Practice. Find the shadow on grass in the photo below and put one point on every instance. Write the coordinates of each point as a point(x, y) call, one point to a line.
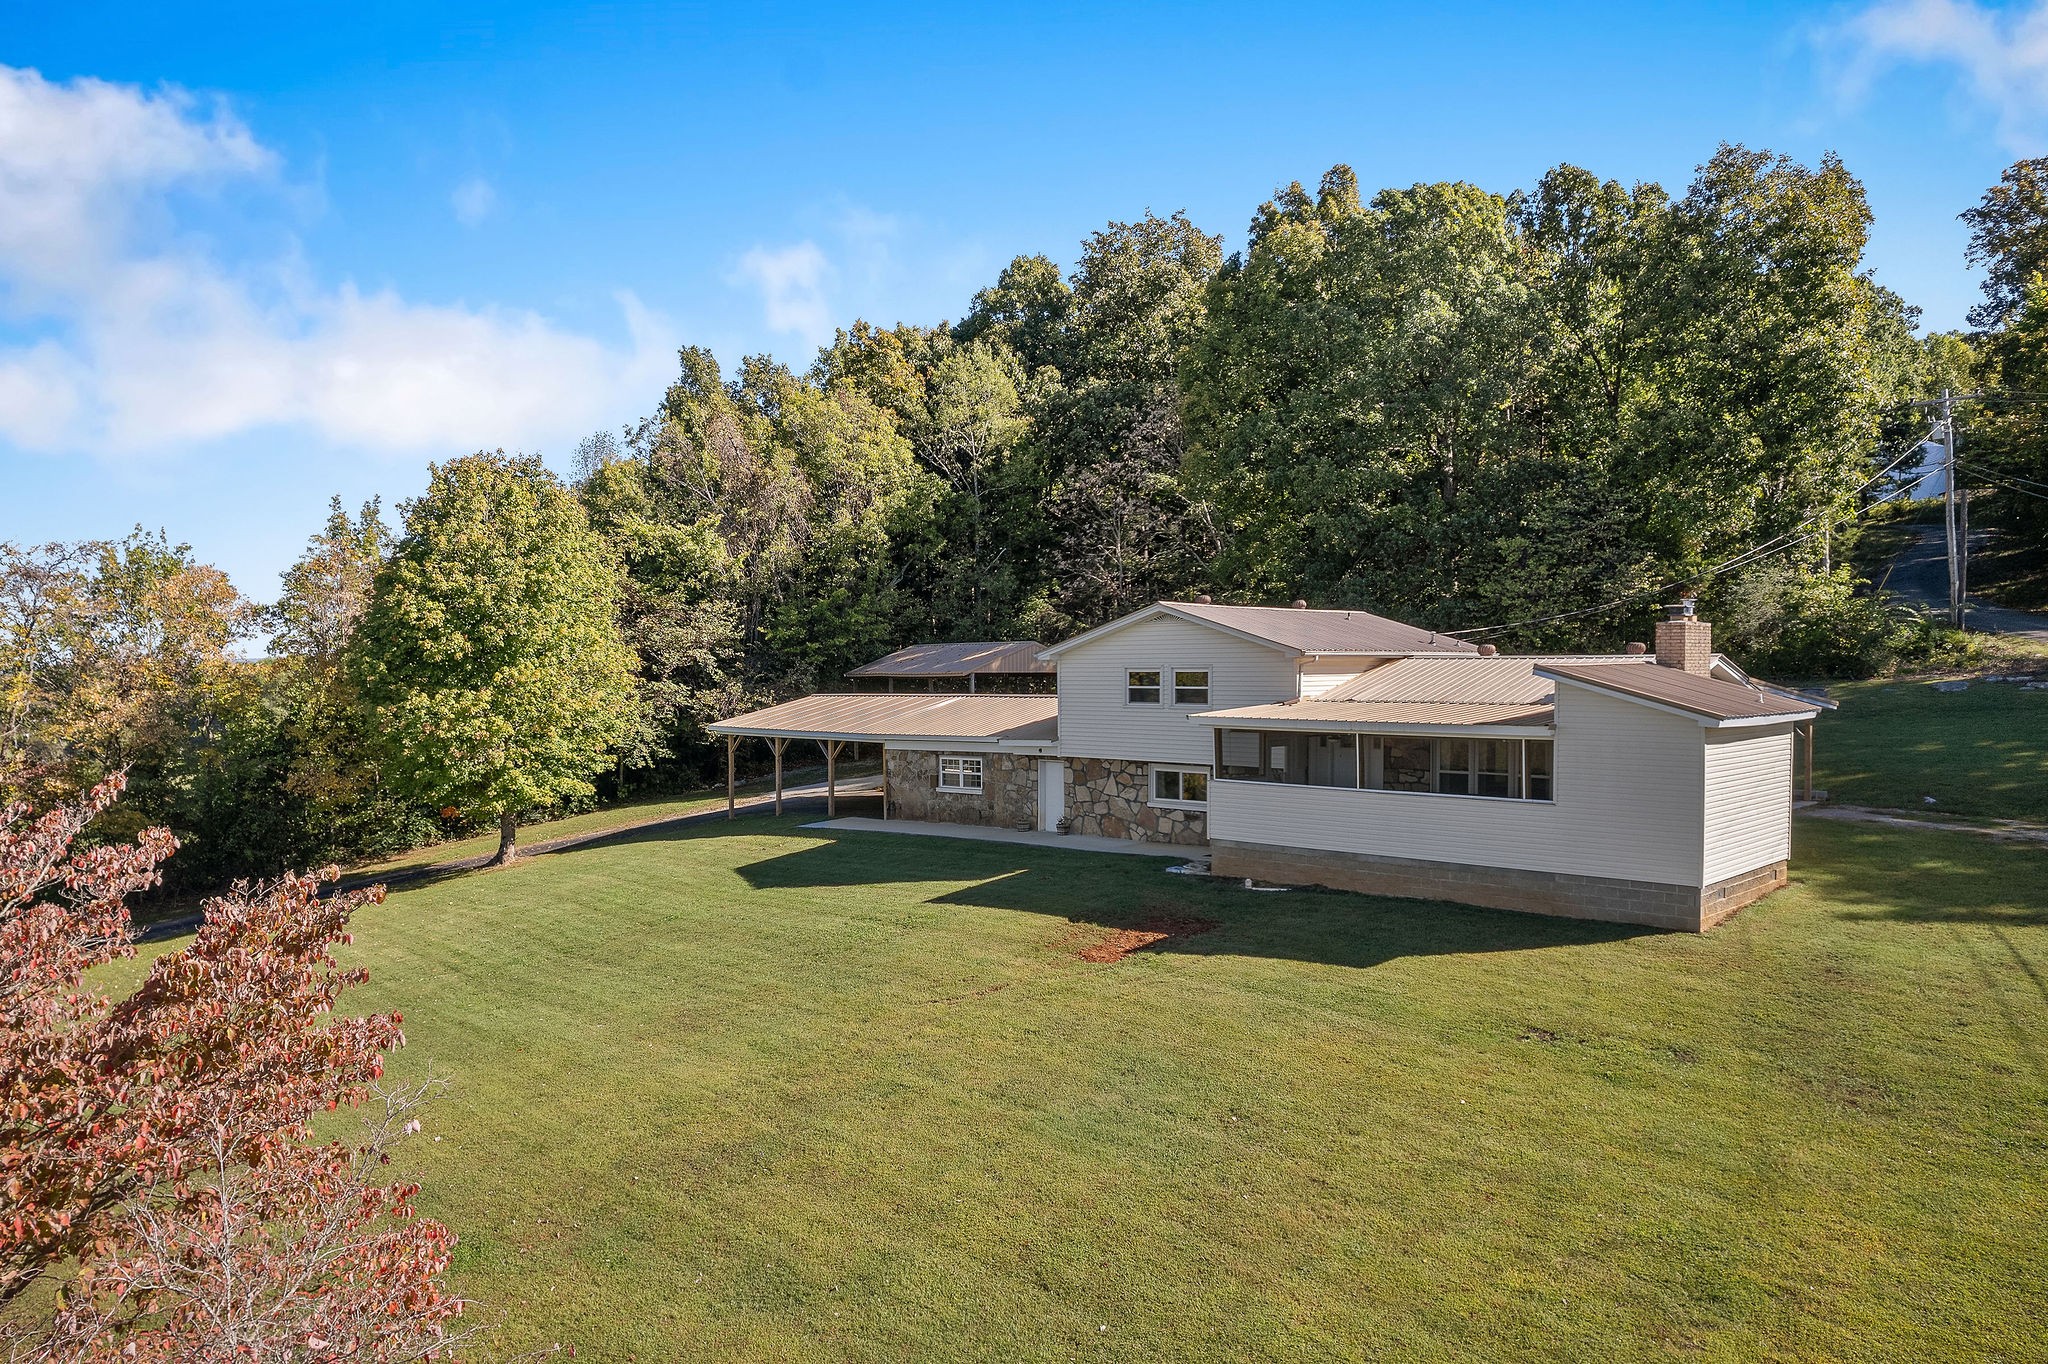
point(1109, 891)
point(1915, 876)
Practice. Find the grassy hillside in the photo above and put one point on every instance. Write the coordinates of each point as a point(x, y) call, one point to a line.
point(1981, 752)
point(745, 1092)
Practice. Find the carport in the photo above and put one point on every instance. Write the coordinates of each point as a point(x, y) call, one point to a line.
point(835, 719)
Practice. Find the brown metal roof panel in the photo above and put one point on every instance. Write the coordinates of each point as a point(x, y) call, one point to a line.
point(878, 716)
point(1501, 679)
point(1324, 632)
point(985, 658)
point(1708, 697)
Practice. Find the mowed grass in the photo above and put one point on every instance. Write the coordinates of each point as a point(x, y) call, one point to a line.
point(618, 815)
point(1980, 753)
point(746, 1091)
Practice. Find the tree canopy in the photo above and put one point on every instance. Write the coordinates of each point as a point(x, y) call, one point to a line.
point(489, 654)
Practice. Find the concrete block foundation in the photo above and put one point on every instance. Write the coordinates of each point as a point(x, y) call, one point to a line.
point(1687, 909)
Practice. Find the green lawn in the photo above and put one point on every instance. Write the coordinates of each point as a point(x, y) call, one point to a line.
point(747, 1092)
point(1981, 752)
point(622, 814)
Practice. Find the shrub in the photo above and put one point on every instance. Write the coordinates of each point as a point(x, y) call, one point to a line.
point(1782, 621)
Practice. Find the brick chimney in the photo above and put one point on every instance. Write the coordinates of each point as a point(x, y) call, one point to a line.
point(1685, 641)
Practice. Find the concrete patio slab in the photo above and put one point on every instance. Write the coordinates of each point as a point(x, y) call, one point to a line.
point(1036, 838)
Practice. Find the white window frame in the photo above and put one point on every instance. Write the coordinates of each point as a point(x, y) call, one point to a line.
point(1173, 689)
point(1153, 798)
point(1160, 687)
point(962, 764)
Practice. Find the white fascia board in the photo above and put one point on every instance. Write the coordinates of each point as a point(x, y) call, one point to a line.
point(1219, 720)
point(1759, 721)
point(1703, 721)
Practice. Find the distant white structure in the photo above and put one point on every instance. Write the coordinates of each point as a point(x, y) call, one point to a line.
point(1926, 476)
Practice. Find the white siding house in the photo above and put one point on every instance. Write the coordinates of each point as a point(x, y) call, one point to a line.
point(1605, 821)
point(1098, 718)
point(1748, 800)
point(1343, 749)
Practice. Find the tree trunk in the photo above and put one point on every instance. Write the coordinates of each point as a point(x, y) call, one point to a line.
point(508, 840)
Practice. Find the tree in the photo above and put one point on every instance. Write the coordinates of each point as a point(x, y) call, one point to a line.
point(490, 654)
point(1462, 408)
point(328, 589)
point(157, 1150)
point(2009, 239)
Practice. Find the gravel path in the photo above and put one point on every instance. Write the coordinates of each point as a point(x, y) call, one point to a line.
point(1999, 830)
point(1920, 575)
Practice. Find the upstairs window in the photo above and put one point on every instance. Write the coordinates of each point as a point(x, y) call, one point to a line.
point(959, 774)
point(1191, 686)
point(1141, 687)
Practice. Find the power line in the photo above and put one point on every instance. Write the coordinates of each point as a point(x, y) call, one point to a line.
point(1996, 481)
point(1983, 472)
point(1749, 556)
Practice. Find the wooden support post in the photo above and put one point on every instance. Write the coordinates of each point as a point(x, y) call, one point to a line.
point(1809, 759)
point(779, 744)
point(731, 740)
point(832, 747)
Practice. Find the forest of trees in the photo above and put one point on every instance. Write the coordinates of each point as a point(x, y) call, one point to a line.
point(1546, 411)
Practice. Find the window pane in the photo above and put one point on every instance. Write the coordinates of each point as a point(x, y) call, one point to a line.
point(1191, 687)
point(1404, 764)
point(1454, 755)
point(1454, 783)
point(1165, 785)
point(1240, 753)
point(1541, 785)
point(1194, 787)
point(1143, 686)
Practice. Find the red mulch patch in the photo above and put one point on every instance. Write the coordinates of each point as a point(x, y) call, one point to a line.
point(1122, 942)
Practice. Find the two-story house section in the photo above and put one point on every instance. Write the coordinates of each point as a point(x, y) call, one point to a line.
point(1344, 749)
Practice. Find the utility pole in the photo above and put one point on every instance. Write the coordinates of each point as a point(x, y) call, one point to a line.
point(1958, 546)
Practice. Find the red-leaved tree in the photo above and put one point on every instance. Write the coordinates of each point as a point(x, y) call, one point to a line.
point(165, 1197)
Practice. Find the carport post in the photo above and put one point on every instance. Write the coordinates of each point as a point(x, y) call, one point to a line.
point(730, 740)
point(832, 747)
point(1809, 759)
point(779, 744)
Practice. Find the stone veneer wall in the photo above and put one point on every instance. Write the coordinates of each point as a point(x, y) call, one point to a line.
point(1111, 798)
point(1008, 798)
point(1685, 908)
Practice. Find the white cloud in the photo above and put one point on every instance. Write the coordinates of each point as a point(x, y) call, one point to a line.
point(2001, 53)
point(792, 283)
point(131, 338)
point(473, 200)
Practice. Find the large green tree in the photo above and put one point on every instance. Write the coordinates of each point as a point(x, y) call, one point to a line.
point(2009, 240)
point(490, 653)
point(1463, 408)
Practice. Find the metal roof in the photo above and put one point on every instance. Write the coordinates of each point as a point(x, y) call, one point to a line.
point(1296, 630)
point(998, 657)
point(1393, 715)
point(1504, 679)
point(869, 717)
point(1710, 698)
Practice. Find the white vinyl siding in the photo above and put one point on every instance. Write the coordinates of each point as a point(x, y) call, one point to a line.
point(1749, 800)
point(1319, 675)
point(1098, 721)
point(1629, 789)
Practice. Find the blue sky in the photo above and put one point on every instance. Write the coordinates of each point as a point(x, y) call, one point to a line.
point(250, 257)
